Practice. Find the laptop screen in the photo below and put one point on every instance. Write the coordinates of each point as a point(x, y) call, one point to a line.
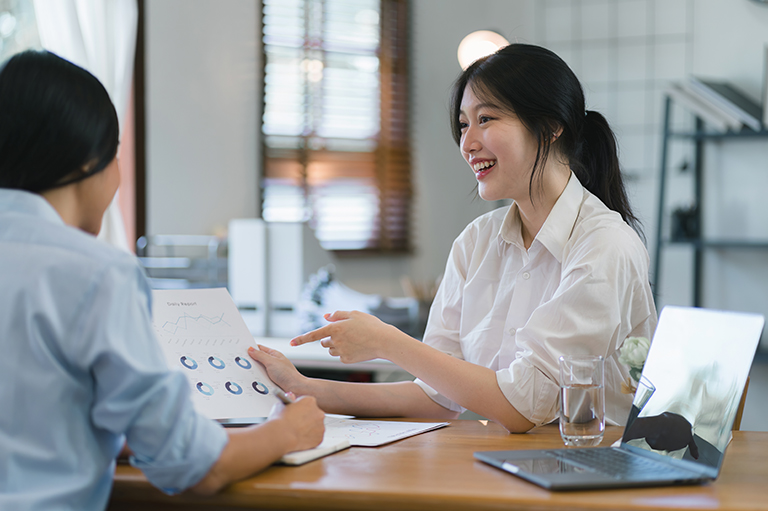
point(689, 392)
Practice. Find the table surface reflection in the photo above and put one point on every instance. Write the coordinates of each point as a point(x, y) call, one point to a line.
point(436, 471)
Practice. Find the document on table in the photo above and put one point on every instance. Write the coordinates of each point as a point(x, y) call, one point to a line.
point(371, 433)
point(342, 432)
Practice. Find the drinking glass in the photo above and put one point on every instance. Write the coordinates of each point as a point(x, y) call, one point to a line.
point(645, 390)
point(582, 400)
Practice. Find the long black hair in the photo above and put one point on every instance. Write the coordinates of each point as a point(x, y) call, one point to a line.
point(535, 84)
point(57, 123)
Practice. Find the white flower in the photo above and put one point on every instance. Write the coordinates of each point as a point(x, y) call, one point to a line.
point(633, 353)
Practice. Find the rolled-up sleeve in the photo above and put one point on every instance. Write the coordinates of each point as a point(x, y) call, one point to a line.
point(135, 393)
point(184, 456)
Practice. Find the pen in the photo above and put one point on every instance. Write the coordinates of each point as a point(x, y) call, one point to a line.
point(285, 398)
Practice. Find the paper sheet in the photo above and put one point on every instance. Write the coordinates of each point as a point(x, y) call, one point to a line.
point(203, 335)
point(369, 433)
point(342, 432)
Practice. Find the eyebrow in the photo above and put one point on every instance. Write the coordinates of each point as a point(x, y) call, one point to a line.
point(480, 106)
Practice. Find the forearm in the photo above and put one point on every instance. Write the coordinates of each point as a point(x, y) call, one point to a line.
point(472, 386)
point(248, 451)
point(400, 399)
point(355, 337)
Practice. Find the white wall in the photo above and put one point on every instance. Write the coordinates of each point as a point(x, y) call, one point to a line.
point(729, 43)
point(202, 113)
point(445, 185)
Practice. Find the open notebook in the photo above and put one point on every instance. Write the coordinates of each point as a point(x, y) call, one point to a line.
point(203, 335)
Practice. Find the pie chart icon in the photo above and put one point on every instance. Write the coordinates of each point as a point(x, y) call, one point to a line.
point(260, 388)
point(233, 388)
point(188, 363)
point(204, 388)
point(245, 364)
point(216, 362)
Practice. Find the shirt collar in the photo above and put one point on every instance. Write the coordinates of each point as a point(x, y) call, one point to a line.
point(557, 227)
point(27, 203)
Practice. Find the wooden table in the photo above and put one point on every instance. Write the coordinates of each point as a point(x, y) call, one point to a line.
point(436, 471)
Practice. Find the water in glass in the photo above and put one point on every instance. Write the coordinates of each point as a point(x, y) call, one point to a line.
point(582, 414)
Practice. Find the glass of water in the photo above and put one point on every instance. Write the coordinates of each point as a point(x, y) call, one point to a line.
point(582, 400)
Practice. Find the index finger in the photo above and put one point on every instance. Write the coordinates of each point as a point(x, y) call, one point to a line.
point(314, 335)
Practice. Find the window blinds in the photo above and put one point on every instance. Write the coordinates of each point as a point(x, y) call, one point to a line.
point(335, 128)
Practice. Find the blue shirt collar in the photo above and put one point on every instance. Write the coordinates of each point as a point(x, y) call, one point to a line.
point(27, 203)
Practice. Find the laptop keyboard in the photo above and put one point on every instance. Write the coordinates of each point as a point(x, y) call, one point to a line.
point(620, 464)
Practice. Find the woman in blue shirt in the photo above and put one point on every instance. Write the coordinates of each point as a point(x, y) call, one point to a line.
point(81, 371)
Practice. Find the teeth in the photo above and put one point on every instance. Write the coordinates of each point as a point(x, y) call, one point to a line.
point(477, 167)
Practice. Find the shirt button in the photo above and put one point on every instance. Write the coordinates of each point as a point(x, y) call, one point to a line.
point(512, 331)
point(526, 275)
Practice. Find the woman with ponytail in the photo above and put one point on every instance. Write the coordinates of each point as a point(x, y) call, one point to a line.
point(559, 272)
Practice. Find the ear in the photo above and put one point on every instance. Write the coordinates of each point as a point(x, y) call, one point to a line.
point(89, 166)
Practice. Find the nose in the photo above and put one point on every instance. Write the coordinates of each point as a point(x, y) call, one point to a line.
point(469, 141)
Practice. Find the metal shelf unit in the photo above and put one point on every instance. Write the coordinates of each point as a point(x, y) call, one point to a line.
point(699, 137)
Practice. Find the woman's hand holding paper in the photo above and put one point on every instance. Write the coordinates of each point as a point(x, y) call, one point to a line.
point(279, 368)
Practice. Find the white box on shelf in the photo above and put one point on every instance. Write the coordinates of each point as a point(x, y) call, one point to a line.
point(294, 254)
point(247, 270)
point(269, 265)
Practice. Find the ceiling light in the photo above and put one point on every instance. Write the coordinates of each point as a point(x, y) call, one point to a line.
point(479, 44)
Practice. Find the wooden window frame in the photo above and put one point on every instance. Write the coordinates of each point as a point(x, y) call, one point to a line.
point(391, 159)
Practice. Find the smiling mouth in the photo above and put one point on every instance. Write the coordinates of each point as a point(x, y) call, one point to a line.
point(483, 166)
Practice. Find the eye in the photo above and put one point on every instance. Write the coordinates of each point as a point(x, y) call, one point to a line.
point(485, 118)
point(463, 125)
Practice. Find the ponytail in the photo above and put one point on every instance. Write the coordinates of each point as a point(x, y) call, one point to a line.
point(596, 164)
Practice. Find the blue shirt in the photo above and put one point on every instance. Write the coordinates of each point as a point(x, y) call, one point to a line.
point(81, 370)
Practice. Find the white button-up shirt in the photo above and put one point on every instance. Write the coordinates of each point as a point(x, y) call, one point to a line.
point(581, 288)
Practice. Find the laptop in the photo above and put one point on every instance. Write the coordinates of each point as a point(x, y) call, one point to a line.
point(682, 412)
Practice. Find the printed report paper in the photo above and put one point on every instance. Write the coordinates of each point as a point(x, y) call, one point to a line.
point(203, 335)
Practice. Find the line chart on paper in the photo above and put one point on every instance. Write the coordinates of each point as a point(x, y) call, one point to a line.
point(187, 321)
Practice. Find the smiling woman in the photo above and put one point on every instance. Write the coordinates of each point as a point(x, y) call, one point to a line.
point(559, 272)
